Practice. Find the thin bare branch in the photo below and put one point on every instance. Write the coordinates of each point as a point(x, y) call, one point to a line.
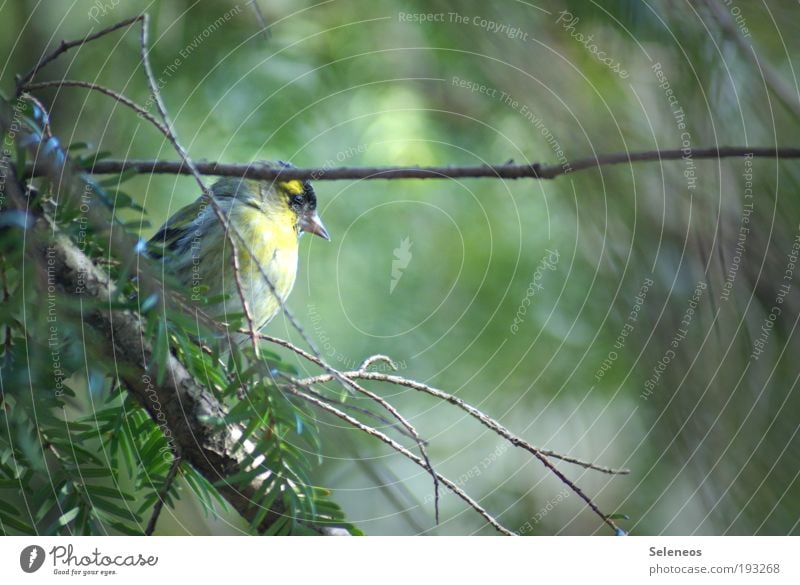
point(188, 164)
point(403, 451)
point(375, 398)
point(66, 46)
point(259, 171)
point(365, 411)
point(162, 494)
point(104, 90)
point(486, 420)
point(501, 430)
point(541, 454)
point(262, 21)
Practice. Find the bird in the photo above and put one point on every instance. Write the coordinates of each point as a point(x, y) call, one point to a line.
point(268, 216)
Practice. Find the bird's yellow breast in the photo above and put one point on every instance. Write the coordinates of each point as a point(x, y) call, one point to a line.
point(272, 238)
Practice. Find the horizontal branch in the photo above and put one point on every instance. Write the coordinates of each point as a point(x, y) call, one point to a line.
point(261, 171)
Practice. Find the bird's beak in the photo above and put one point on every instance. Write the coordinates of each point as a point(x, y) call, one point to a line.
point(311, 223)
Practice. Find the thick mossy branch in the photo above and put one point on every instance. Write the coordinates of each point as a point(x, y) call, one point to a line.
point(187, 413)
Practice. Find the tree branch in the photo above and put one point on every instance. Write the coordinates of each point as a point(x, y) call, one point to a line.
point(541, 454)
point(179, 405)
point(260, 171)
point(66, 46)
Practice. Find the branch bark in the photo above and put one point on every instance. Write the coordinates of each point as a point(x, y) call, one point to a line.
point(263, 172)
point(179, 404)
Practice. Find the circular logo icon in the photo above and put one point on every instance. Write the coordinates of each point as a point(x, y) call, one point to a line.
point(31, 558)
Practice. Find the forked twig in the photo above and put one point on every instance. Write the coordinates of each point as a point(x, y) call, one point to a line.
point(405, 452)
point(486, 420)
point(65, 46)
point(375, 398)
point(541, 454)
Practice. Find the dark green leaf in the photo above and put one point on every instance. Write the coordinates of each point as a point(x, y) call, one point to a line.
point(99, 490)
point(125, 529)
point(95, 472)
point(7, 522)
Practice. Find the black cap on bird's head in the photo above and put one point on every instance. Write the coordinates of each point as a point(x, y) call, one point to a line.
point(303, 201)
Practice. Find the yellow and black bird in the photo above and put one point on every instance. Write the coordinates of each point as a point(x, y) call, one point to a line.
point(270, 216)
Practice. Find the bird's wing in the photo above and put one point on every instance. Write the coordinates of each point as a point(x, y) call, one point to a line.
point(169, 236)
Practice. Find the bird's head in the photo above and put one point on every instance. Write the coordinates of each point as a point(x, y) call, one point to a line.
point(295, 200)
point(298, 198)
point(290, 202)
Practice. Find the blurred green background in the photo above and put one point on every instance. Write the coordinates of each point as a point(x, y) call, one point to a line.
point(711, 436)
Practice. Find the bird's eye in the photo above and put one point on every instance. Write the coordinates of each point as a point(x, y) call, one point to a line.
point(296, 200)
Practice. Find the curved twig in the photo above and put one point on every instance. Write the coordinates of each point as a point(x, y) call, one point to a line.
point(104, 90)
point(189, 165)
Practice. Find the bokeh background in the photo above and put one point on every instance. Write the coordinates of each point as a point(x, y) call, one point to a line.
point(640, 292)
